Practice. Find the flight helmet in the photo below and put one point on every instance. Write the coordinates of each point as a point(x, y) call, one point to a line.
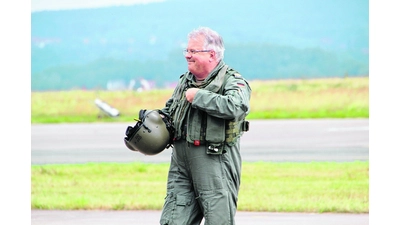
point(152, 133)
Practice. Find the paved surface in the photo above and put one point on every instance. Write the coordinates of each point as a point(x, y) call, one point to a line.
point(268, 140)
point(39, 217)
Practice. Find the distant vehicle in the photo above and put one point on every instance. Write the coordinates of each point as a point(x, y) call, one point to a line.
point(106, 108)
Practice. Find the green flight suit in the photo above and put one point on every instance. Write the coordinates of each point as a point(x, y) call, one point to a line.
point(205, 169)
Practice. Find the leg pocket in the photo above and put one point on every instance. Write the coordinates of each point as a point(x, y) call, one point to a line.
point(168, 209)
point(180, 209)
point(217, 208)
point(184, 200)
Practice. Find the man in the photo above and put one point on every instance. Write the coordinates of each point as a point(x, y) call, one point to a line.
point(208, 108)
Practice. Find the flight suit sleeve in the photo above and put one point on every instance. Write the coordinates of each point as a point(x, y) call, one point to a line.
point(234, 101)
point(168, 104)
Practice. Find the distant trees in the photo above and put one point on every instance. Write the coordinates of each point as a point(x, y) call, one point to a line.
point(254, 61)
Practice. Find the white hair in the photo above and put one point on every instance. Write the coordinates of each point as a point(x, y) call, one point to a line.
point(212, 40)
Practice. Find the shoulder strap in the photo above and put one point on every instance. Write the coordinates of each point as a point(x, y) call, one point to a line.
point(219, 80)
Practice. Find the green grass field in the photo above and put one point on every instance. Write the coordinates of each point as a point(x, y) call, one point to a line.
point(314, 98)
point(274, 187)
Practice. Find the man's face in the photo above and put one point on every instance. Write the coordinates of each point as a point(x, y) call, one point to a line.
point(198, 63)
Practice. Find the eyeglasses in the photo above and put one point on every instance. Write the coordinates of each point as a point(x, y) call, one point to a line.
point(192, 52)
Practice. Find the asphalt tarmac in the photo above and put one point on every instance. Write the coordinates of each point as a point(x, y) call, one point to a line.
point(56, 217)
point(337, 140)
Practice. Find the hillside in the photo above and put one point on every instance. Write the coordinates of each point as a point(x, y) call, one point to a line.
point(89, 48)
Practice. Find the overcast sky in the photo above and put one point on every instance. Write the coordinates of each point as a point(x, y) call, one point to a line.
point(40, 5)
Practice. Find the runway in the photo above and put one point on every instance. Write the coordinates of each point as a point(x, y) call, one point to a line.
point(99, 217)
point(337, 140)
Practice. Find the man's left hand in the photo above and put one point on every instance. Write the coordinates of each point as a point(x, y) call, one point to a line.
point(190, 93)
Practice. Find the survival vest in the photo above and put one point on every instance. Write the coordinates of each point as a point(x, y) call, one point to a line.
point(203, 128)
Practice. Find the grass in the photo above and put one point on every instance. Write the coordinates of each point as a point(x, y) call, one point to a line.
point(275, 187)
point(302, 98)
